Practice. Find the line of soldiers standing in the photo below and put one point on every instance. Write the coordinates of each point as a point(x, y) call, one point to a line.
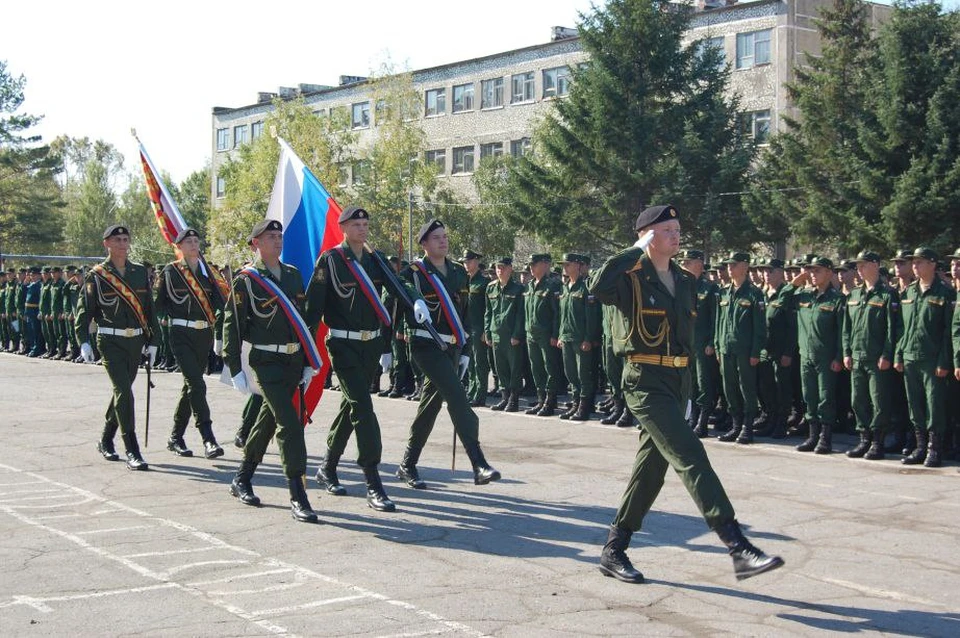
point(37, 307)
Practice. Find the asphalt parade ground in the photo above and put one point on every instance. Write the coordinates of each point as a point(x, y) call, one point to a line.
point(88, 548)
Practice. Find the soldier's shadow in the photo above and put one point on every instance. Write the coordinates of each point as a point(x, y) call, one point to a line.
point(842, 618)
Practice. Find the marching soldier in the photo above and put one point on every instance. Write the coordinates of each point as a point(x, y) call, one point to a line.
point(504, 329)
point(580, 331)
point(187, 296)
point(264, 312)
point(704, 361)
point(655, 301)
point(478, 371)
point(117, 296)
point(774, 380)
point(443, 284)
point(542, 316)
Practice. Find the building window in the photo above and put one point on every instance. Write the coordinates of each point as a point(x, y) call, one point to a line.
point(239, 135)
point(756, 125)
point(463, 160)
point(223, 139)
point(556, 82)
point(361, 115)
point(521, 87)
point(520, 147)
point(320, 112)
point(463, 98)
point(493, 149)
point(436, 102)
point(438, 157)
point(491, 93)
point(753, 48)
point(256, 131)
point(709, 44)
point(221, 187)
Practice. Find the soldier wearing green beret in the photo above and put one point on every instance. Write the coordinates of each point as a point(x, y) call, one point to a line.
point(504, 326)
point(542, 316)
point(580, 331)
point(478, 371)
point(740, 337)
point(654, 329)
point(774, 380)
point(924, 355)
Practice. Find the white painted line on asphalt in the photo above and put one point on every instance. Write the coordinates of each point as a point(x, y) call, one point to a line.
point(53, 517)
point(414, 634)
point(47, 497)
point(37, 602)
point(259, 590)
point(34, 491)
point(172, 552)
point(180, 568)
point(230, 579)
point(113, 530)
point(311, 605)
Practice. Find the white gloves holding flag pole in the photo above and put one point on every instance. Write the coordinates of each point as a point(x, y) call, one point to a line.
point(644, 240)
point(386, 360)
point(218, 347)
point(86, 351)
point(464, 364)
point(240, 382)
point(151, 352)
point(420, 312)
point(308, 373)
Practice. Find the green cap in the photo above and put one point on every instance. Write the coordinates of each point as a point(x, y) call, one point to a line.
point(537, 258)
point(771, 263)
point(904, 254)
point(925, 252)
point(691, 253)
point(823, 262)
point(737, 257)
point(868, 255)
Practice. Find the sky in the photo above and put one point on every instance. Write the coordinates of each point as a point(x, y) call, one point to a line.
point(98, 69)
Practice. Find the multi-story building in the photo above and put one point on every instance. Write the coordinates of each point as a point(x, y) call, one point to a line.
point(488, 105)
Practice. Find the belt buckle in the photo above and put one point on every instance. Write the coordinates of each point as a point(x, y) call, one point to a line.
point(290, 348)
point(202, 324)
point(678, 362)
point(366, 335)
point(128, 332)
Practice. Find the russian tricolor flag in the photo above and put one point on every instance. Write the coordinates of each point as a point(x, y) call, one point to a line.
point(311, 225)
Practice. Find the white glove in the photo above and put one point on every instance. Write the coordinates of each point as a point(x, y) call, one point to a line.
point(218, 347)
point(420, 312)
point(464, 364)
point(86, 352)
point(386, 360)
point(644, 240)
point(240, 382)
point(308, 373)
point(16, 325)
point(151, 352)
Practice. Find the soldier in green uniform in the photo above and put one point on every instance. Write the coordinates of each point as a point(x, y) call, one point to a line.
point(740, 337)
point(654, 330)
point(14, 323)
point(903, 441)
point(580, 331)
point(345, 292)
point(542, 317)
point(613, 369)
point(4, 321)
point(774, 381)
point(71, 297)
point(924, 355)
point(478, 373)
point(504, 326)
point(58, 351)
point(704, 361)
point(443, 284)
point(116, 294)
point(870, 333)
point(254, 316)
point(188, 296)
point(46, 310)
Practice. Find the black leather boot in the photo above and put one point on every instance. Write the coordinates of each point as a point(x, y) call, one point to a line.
point(876, 451)
point(613, 559)
point(605, 406)
point(240, 485)
point(513, 402)
point(748, 561)
point(626, 419)
point(105, 444)
point(176, 444)
point(300, 508)
point(615, 413)
point(746, 432)
point(211, 449)
point(376, 496)
point(734, 431)
point(919, 454)
point(812, 439)
point(779, 428)
point(701, 429)
point(327, 474)
point(134, 459)
point(571, 408)
point(482, 472)
point(825, 443)
point(934, 450)
point(407, 470)
point(866, 439)
point(549, 405)
point(499, 407)
point(584, 410)
point(541, 399)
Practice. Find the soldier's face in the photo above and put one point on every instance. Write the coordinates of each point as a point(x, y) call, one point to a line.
point(955, 268)
point(773, 277)
point(355, 231)
point(539, 269)
point(737, 270)
point(903, 269)
point(924, 268)
point(117, 245)
point(436, 244)
point(868, 270)
point(190, 247)
point(471, 265)
point(571, 269)
point(820, 276)
point(504, 272)
point(666, 238)
point(693, 265)
point(269, 244)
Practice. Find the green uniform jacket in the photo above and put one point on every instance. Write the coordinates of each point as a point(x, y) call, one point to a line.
point(873, 323)
point(581, 317)
point(650, 320)
point(254, 316)
point(174, 300)
point(56, 298)
point(504, 318)
point(541, 306)
point(100, 303)
point(71, 297)
point(46, 297)
point(819, 323)
point(781, 324)
point(457, 286)
point(741, 320)
point(927, 325)
point(705, 328)
point(477, 301)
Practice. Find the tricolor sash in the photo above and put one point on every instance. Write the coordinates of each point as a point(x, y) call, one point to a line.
point(198, 292)
point(293, 316)
point(366, 286)
point(125, 292)
point(446, 303)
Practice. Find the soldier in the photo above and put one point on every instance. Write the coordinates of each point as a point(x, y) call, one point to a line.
point(776, 359)
point(345, 292)
point(59, 348)
point(71, 298)
point(443, 284)
point(46, 313)
point(903, 440)
point(14, 324)
point(542, 317)
point(654, 329)
point(264, 294)
point(870, 333)
point(31, 313)
point(187, 295)
point(740, 337)
point(4, 321)
point(504, 329)
point(478, 372)
point(117, 296)
point(704, 362)
point(580, 330)
point(924, 355)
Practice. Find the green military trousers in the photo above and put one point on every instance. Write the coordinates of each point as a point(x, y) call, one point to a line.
point(478, 371)
point(544, 364)
point(278, 380)
point(926, 395)
point(251, 410)
point(871, 392)
point(819, 390)
point(775, 386)
point(580, 368)
point(739, 385)
point(658, 396)
point(441, 383)
point(355, 362)
point(121, 359)
point(613, 368)
point(191, 347)
point(704, 375)
point(508, 361)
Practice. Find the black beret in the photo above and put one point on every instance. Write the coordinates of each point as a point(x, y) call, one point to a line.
point(186, 232)
point(536, 258)
point(868, 255)
point(116, 229)
point(925, 252)
point(691, 254)
point(263, 226)
point(353, 212)
point(573, 258)
point(655, 215)
point(904, 254)
point(505, 261)
point(469, 254)
point(737, 256)
point(428, 228)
